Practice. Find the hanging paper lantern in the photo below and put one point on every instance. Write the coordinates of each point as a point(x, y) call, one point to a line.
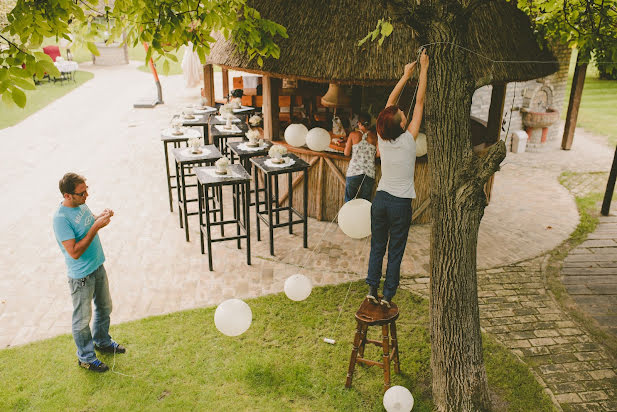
point(354, 218)
point(398, 399)
point(295, 134)
point(421, 146)
point(318, 139)
point(233, 317)
point(298, 287)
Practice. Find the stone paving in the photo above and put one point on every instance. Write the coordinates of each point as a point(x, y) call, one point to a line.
point(94, 131)
point(589, 274)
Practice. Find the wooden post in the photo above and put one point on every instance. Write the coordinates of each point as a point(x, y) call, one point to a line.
point(318, 195)
point(576, 93)
point(495, 114)
point(610, 187)
point(271, 88)
point(225, 83)
point(209, 83)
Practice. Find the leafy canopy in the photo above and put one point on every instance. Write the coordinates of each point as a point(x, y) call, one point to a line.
point(588, 25)
point(164, 25)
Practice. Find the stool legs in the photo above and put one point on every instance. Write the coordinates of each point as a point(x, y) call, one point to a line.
point(269, 209)
point(386, 357)
point(360, 331)
point(171, 208)
point(397, 368)
point(247, 220)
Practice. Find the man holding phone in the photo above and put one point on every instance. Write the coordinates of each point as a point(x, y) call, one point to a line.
point(76, 230)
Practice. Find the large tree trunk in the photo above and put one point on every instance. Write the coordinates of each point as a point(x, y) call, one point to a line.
point(457, 201)
point(576, 94)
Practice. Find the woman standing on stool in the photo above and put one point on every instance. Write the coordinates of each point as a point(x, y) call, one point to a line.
point(391, 208)
point(362, 146)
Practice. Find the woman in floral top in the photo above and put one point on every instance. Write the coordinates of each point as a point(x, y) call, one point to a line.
point(362, 146)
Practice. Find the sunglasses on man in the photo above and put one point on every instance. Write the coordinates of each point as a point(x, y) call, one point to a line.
point(81, 194)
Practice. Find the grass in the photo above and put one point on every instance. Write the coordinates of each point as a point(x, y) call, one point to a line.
point(598, 109)
point(181, 362)
point(44, 94)
point(589, 210)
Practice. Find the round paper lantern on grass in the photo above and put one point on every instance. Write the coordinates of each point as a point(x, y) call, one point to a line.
point(318, 139)
point(421, 146)
point(298, 287)
point(398, 399)
point(233, 317)
point(295, 134)
point(354, 218)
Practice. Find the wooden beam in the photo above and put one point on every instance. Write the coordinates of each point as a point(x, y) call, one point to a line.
point(319, 193)
point(298, 179)
point(495, 114)
point(576, 93)
point(335, 170)
point(610, 187)
point(225, 83)
point(271, 87)
point(209, 84)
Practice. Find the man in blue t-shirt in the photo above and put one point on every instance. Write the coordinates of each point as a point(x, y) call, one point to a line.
point(76, 230)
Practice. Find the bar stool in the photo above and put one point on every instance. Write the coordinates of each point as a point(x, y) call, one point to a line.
point(240, 181)
point(185, 158)
point(270, 216)
point(169, 137)
point(219, 136)
point(371, 314)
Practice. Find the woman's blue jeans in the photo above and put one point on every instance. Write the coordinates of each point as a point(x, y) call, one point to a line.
point(390, 222)
point(83, 292)
point(362, 185)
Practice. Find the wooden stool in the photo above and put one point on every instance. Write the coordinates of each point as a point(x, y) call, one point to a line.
point(370, 314)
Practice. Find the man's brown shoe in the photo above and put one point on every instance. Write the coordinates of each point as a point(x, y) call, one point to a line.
point(96, 366)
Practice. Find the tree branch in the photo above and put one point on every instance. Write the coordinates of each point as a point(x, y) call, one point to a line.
point(490, 161)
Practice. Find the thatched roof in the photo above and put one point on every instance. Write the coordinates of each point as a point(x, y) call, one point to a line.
point(323, 37)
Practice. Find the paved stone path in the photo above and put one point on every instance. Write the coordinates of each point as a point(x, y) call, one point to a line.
point(94, 130)
point(515, 307)
point(589, 274)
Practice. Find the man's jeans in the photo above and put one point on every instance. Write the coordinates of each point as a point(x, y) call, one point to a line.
point(360, 185)
point(390, 218)
point(83, 291)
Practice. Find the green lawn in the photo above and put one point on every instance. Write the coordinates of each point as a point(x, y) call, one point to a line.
point(44, 94)
point(181, 362)
point(598, 110)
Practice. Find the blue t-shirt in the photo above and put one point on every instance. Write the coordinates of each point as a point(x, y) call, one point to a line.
point(74, 223)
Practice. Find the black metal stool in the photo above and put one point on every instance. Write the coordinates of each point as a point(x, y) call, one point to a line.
point(240, 181)
point(176, 140)
point(271, 216)
point(186, 159)
point(219, 136)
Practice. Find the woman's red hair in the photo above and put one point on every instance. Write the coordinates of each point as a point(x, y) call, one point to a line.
point(389, 123)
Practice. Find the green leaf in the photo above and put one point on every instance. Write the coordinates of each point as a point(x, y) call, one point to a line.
point(361, 42)
point(93, 49)
point(166, 67)
point(172, 57)
point(19, 97)
point(26, 84)
point(386, 29)
point(7, 99)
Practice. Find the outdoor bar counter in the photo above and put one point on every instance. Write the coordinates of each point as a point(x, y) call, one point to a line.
point(327, 184)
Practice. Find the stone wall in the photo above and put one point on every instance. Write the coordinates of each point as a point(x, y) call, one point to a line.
point(111, 55)
point(516, 91)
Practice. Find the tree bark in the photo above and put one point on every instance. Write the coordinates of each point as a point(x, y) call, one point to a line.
point(458, 201)
point(576, 94)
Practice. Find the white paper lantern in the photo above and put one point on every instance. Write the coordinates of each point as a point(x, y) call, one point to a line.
point(398, 399)
point(295, 134)
point(354, 218)
point(233, 317)
point(298, 287)
point(421, 146)
point(318, 139)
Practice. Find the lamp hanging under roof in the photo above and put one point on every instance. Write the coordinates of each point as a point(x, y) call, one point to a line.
point(335, 97)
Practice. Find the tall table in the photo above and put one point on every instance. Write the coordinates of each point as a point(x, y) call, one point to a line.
point(200, 119)
point(218, 134)
point(267, 216)
point(169, 137)
point(185, 159)
point(245, 153)
point(240, 180)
